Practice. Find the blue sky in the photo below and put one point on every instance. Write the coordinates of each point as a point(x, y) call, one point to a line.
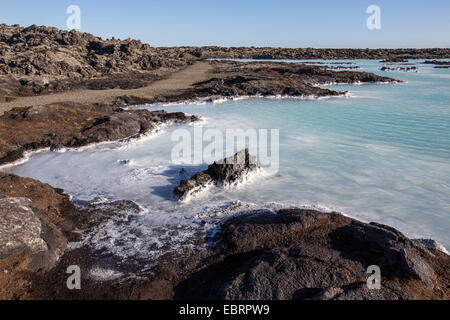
point(281, 23)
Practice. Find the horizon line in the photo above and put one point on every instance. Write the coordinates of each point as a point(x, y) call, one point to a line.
point(224, 46)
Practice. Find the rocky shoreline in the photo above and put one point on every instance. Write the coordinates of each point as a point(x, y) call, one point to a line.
point(326, 54)
point(270, 79)
point(41, 60)
point(286, 254)
point(302, 254)
point(258, 254)
point(261, 254)
point(70, 126)
point(324, 255)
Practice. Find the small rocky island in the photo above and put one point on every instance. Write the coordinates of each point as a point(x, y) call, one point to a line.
point(228, 171)
point(405, 69)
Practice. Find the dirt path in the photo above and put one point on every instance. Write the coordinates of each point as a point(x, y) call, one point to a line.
point(180, 80)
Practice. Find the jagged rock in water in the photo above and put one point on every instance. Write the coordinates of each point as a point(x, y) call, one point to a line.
point(405, 69)
point(227, 171)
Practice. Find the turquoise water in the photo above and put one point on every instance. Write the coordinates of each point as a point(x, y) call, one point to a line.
point(382, 154)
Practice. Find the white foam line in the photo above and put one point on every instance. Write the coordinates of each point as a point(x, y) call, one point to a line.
point(356, 83)
point(25, 158)
point(27, 155)
point(224, 99)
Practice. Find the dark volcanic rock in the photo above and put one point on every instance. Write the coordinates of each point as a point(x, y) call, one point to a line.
point(243, 86)
point(27, 233)
point(48, 51)
point(344, 67)
point(436, 62)
point(303, 254)
point(234, 78)
point(442, 67)
point(39, 60)
point(430, 244)
point(405, 69)
point(397, 249)
point(227, 171)
point(394, 59)
point(33, 237)
point(291, 254)
point(329, 54)
point(73, 125)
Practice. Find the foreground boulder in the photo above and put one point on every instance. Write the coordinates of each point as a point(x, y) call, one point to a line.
point(303, 254)
point(26, 234)
point(227, 171)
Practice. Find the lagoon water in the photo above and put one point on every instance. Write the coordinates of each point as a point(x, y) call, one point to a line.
point(381, 154)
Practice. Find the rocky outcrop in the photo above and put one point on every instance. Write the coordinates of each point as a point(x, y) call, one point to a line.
point(304, 254)
point(268, 79)
point(394, 59)
point(73, 125)
point(431, 244)
point(227, 171)
point(53, 202)
point(235, 86)
point(27, 233)
point(40, 60)
point(48, 51)
point(436, 62)
point(405, 69)
point(331, 54)
point(344, 67)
